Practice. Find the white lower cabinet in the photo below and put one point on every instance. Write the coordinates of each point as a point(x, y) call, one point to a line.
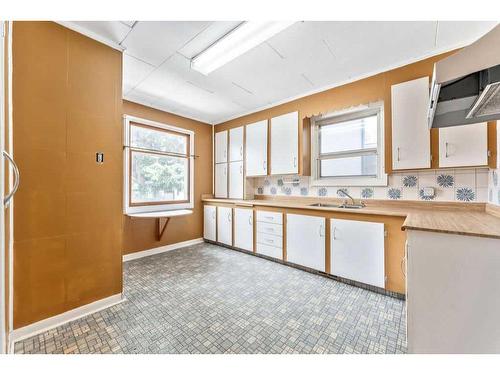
point(243, 228)
point(210, 223)
point(225, 225)
point(269, 242)
point(305, 241)
point(357, 251)
point(236, 180)
point(221, 180)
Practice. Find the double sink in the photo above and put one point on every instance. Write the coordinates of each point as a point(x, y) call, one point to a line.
point(343, 205)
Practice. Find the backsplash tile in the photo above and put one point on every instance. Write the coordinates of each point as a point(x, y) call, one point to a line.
point(464, 185)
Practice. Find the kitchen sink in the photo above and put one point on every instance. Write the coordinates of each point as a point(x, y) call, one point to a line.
point(324, 205)
point(344, 205)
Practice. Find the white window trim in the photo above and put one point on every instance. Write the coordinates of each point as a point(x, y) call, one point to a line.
point(127, 119)
point(379, 180)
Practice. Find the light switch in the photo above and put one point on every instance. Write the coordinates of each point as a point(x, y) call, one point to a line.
point(99, 157)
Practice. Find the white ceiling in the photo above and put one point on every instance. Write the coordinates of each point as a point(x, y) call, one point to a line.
point(305, 58)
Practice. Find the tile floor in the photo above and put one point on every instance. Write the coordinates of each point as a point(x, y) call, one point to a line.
point(209, 299)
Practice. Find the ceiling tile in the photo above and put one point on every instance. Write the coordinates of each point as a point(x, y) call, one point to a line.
point(154, 42)
point(111, 30)
point(451, 33)
point(134, 71)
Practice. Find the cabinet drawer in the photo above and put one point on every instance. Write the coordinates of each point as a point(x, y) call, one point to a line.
point(270, 240)
point(270, 251)
point(270, 217)
point(268, 228)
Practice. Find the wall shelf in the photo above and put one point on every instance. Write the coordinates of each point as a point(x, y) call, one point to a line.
point(162, 218)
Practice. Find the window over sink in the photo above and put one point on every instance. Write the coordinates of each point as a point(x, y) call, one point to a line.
point(158, 166)
point(348, 147)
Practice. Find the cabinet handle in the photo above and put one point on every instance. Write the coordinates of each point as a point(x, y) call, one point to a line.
point(241, 169)
point(321, 233)
point(250, 220)
point(334, 233)
point(294, 161)
point(213, 215)
point(269, 240)
point(229, 216)
point(398, 155)
point(225, 154)
point(241, 150)
point(264, 165)
point(446, 149)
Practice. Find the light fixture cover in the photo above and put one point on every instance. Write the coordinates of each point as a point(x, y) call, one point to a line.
point(240, 40)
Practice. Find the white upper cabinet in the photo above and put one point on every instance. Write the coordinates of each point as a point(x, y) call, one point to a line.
point(463, 146)
point(236, 180)
point(285, 144)
point(243, 228)
point(256, 149)
point(411, 138)
point(221, 147)
point(209, 223)
point(357, 251)
point(305, 241)
point(236, 144)
point(221, 180)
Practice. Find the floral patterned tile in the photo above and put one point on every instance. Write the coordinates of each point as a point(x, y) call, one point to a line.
point(465, 194)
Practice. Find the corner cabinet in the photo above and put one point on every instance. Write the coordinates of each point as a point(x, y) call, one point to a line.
point(256, 149)
point(357, 251)
point(463, 146)
point(305, 241)
point(411, 138)
point(210, 223)
point(285, 144)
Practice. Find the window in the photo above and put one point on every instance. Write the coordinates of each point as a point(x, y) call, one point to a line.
point(158, 166)
point(348, 148)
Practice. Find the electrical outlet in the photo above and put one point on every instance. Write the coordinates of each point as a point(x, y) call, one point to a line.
point(99, 157)
point(428, 192)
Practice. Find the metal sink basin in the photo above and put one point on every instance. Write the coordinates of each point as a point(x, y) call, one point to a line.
point(324, 205)
point(355, 206)
point(344, 205)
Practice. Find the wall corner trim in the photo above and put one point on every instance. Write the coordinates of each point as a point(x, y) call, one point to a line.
point(161, 249)
point(58, 320)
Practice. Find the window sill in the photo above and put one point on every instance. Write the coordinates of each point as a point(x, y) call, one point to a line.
point(158, 214)
point(351, 181)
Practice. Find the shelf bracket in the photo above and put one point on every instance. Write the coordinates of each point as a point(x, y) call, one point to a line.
point(162, 223)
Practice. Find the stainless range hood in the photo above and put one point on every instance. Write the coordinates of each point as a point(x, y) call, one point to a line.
point(466, 85)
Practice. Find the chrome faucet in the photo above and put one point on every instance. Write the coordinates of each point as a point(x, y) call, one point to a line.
point(344, 193)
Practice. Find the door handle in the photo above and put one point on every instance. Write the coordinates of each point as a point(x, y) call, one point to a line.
point(8, 198)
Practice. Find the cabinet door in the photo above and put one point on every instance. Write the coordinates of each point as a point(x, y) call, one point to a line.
point(236, 180)
point(285, 144)
point(225, 225)
point(209, 223)
point(305, 241)
point(256, 149)
point(243, 228)
point(357, 251)
point(221, 180)
point(463, 146)
point(221, 147)
point(236, 144)
point(411, 137)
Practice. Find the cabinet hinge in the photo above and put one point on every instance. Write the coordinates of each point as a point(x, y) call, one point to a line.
point(3, 29)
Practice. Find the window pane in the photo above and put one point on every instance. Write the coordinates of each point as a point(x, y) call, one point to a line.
point(365, 165)
point(159, 178)
point(159, 140)
point(349, 135)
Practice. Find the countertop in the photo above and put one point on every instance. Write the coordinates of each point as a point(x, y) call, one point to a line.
point(469, 219)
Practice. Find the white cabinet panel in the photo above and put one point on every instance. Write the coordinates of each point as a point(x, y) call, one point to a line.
point(463, 146)
point(243, 228)
point(225, 225)
point(270, 217)
point(285, 144)
point(256, 149)
point(357, 251)
point(305, 241)
point(209, 223)
point(221, 180)
point(411, 136)
point(236, 180)
point(270, 251)
point(221, 147)
point(236, 144)
point(268, 228)
point(269, 240)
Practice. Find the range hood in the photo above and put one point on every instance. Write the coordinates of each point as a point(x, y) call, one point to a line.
point(466, 85)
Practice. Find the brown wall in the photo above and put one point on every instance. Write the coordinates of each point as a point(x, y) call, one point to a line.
point(140, 234)
point(371, 89)
point(68, 210)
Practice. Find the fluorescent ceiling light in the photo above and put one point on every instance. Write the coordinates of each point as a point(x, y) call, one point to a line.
point(240, 40)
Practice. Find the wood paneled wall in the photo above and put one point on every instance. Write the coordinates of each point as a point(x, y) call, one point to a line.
point(139, 233)
point(68, 210)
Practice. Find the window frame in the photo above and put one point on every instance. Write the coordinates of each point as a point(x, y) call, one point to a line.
point(142, 207)
point(341, 116)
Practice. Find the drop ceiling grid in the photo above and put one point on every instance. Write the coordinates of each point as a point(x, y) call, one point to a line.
point(306, 58)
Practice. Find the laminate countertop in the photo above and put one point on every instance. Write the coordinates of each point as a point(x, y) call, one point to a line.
point(468, 219)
